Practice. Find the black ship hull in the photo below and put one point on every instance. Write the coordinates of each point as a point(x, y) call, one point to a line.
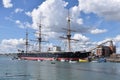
point(54, 56)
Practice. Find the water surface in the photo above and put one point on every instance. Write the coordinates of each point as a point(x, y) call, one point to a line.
point(34, 70)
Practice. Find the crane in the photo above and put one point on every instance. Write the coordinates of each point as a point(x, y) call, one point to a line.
point(110, 41)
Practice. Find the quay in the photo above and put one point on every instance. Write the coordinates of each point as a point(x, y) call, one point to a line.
point(114, 58)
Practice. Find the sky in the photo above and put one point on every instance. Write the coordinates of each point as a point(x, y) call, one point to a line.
point(92, 22)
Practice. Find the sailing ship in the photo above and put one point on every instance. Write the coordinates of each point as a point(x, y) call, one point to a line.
point(56, 54)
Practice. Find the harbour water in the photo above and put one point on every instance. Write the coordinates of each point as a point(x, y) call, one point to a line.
point(37, 70)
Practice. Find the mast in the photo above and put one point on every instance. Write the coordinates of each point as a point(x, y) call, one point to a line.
point(68, 36)
point(26, 43)
point(39, 38)
point(69, 33)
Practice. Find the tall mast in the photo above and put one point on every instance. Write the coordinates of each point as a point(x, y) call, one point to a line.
point(69, 33)
point(39, 38)
point(26, 43)
point(68, 36)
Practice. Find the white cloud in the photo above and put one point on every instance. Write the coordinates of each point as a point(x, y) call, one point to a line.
point(7, 3)
point(75, 14)
point(98, 31)
point(80, 37)
point(11, 45)
point(109, 9)
point(17, 22)
point(28, 14)
point(22, 24)
point(52, 14)
point(18, 10)
point(12, 42)
point(117, 38)
point(79, 21)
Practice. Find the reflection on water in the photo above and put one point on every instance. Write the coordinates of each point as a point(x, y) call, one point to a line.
point(33, 70)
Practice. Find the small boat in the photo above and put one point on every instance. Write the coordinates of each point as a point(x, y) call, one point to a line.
point(94, 61)
point(53, 62)
point(62, 60)
point(72, 61)
point(99, 60)
point(102, 59)
point(83, 60)
point(38, 60)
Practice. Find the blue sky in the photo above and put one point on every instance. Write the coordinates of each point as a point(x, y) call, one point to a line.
point(95, 21)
